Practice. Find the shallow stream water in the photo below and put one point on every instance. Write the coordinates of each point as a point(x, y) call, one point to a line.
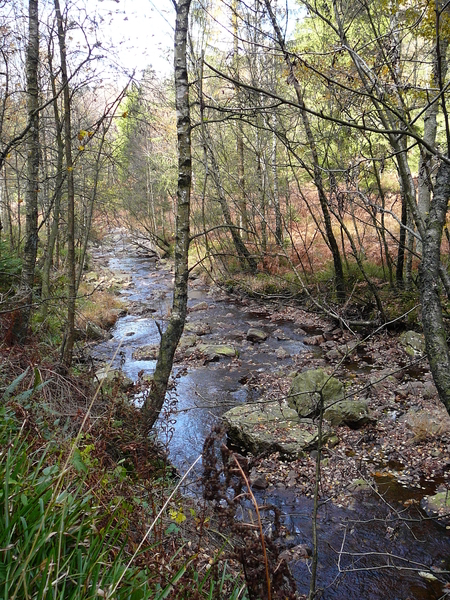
point(374, 550)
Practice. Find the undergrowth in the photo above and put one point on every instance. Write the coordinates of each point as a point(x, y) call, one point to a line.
point(82, 512)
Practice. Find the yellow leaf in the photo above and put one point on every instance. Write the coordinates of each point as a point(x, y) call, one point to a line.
point(81, 148)
point(82, 134)
point(177, 515)
point(70, 169)
point(125, 114)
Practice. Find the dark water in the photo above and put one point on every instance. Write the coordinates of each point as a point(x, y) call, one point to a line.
point(374, 550)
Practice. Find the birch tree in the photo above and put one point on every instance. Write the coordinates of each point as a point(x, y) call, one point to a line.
point(171, 336)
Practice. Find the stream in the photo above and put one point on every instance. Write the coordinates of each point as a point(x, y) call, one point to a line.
point(366, 551)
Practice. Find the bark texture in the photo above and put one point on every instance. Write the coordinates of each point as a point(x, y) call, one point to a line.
point(432, 320)
point(171, 336)
point(69, 337)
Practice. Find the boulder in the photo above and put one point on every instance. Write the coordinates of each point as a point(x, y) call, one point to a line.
point(280, 335)
point(256, 335)
point(353, 413)
point(304, 397)
point(91, 277)
point(281, 353)
point(270, 427)
point(110, 376)
point(235, 335)
point(217, 351)
point(413, 343)
point(427, 423)
point(149, 352)
point(197, 328)
point(437, 506)
point(94, 332)
point(187, 341)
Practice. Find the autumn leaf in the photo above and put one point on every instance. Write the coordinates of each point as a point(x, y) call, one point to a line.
point(177, 515)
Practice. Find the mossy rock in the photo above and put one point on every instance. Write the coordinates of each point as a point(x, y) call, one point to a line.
point(269, 427)
point(187, 341)
point(197, 328)
point(413, 343)
point(353, 413)
point(94, 332)
point(112, 376)
point(217, 351)
point(256, 335)
point(304, 394)
point(437, 506)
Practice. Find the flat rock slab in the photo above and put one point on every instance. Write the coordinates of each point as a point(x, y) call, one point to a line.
point(269, 427)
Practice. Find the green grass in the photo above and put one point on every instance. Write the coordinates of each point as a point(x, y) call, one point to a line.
point(56, 541)
point(66, 521)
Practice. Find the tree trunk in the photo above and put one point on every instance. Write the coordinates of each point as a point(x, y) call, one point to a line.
point(424, 185)
point(276, 194)
point(21, 323)
point(241, 250)
point(56, 199)
point(90, 210)
point(239, 132)
point(69, 336)
point(432, 320)
point(171, 337)
point(401, 243)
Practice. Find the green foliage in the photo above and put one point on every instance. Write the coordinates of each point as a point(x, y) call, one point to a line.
point(10, 266)
point(372, 270)
point(55, 541)
point(62, 539)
